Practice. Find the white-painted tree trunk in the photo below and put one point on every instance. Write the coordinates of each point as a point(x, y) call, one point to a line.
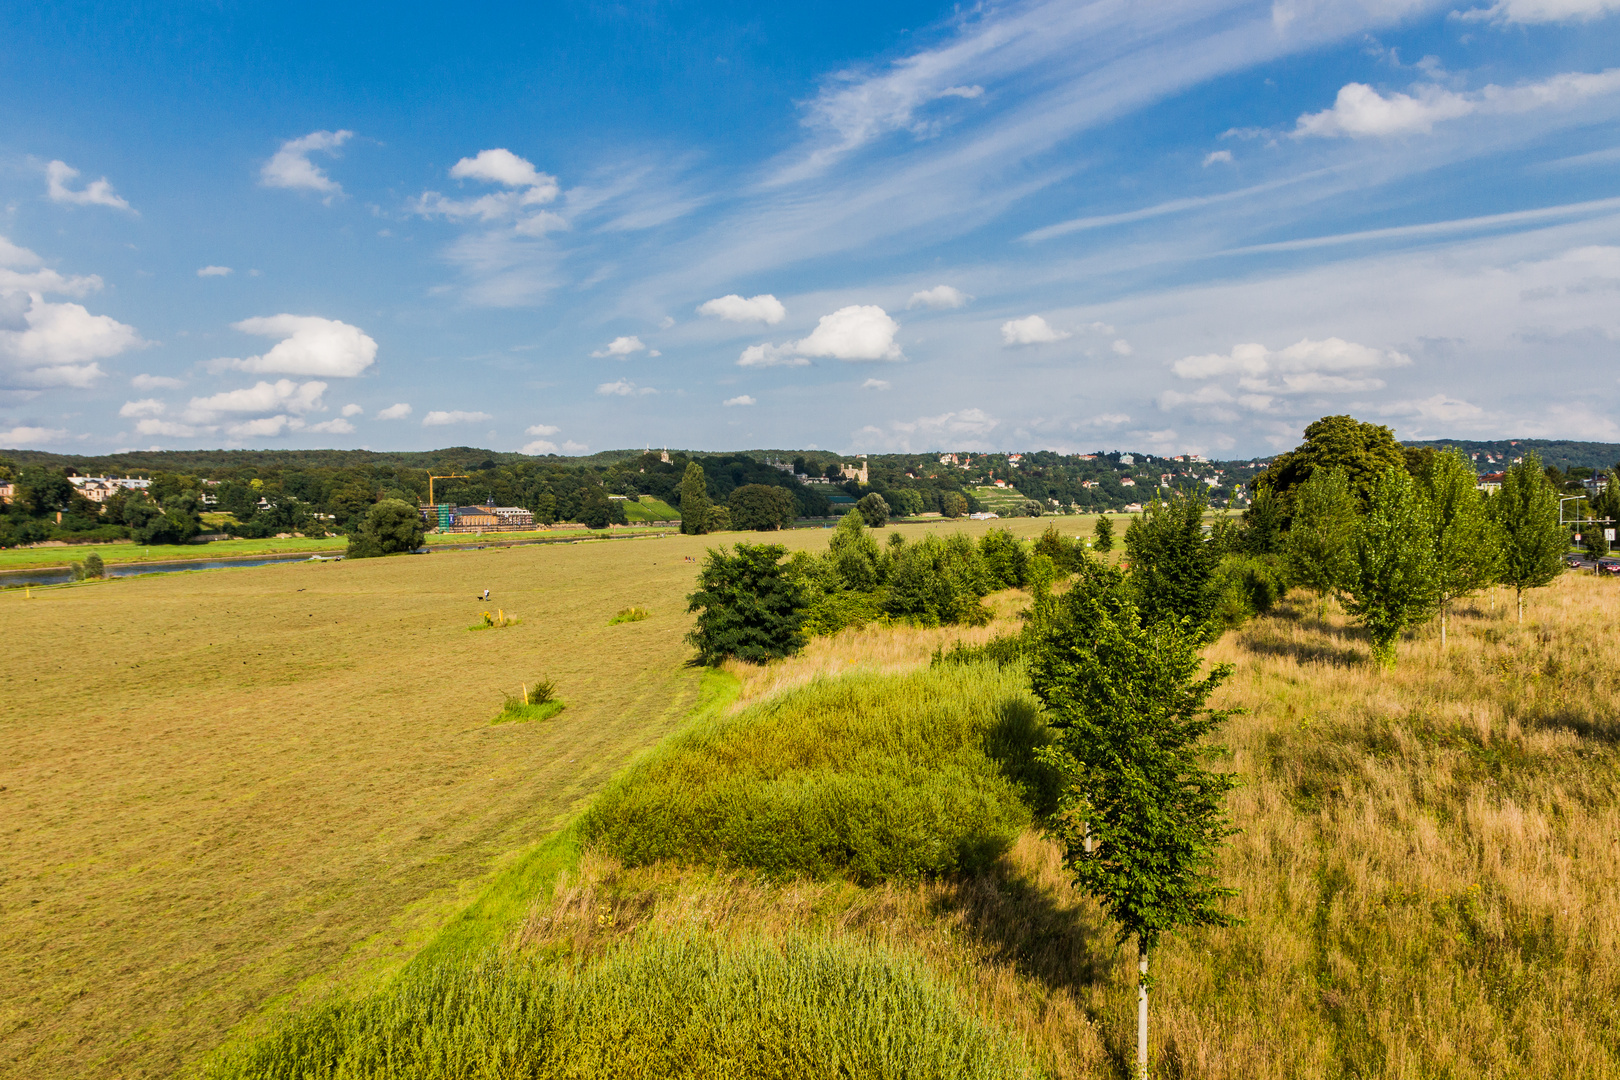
point(1141, 1013)
point(1445, 614)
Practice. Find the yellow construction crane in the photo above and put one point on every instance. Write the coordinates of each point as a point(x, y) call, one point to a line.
point(452, 476)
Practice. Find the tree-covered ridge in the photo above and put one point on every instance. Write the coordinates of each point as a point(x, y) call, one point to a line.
point(1495, 455)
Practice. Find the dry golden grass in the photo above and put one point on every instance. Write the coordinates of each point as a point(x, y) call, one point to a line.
point(1429, 867)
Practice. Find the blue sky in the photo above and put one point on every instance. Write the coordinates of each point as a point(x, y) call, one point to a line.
point(1188, 225)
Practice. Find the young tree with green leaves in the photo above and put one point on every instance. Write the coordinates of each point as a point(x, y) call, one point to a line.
point(874, 509)
point(1141, 819)
point(1172, 562)
point(1392, 582)
point(1104, 535)
point(695, 504)
point(1466, 550)
point(1262, 529)
point(1318, 545)
point(747, 606)
point(1533, 543)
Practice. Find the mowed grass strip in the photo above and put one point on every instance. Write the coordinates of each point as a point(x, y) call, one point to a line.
point(219, 785)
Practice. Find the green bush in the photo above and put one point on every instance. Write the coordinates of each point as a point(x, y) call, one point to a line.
point(659, 1005)
point(1006, 559)
point(1247, 585)
point(747, 606)
point(868, 776)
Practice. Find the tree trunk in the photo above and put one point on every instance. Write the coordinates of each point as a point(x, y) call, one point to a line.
point(1445, 613)
point(1521, 606)
point(1141, 1011)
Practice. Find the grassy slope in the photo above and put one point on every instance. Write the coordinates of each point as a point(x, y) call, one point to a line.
point(222, 787)
point(1426, 870)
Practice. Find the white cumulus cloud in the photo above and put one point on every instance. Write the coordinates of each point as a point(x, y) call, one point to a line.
point(623, 388)
point(1543, 11)
point(337, 426)
point(768, 355)
point(541, 429)
point(281, 396)
point(59, 174)
point(156, 382)
point(539, 446)
point(1359, 111)
point(1305, 367)
point(621, 347)
point(442, 417)
point(875, 384)
point(740, 399)
point(1217, 156)
point(527, 189)
point(1122, 347)
point(290, 166)
point(352, 410)
point(28, 436)
point(309, 345)
point(940, 296)
point(1031, 330)
point(397, 411)
point(763, 308)
point(214, 271)
point(857, 332)
point(44, 344)
point(142, 408)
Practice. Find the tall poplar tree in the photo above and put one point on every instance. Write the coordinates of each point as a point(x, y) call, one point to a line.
point(1142, 819)
point(1392, 583)
point(1533, 543)
point(1319, 544)
point(1467, 553)
point(695, 504)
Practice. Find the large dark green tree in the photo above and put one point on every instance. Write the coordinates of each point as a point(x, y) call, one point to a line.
point(761, 507)
point(1141, 819)
point(1172, 562)
point(695, 504)
point(392, 527)
point(873, 509)
point(1361, 451)
point(747, 606)
point(1393, 580)
point(1525, 512)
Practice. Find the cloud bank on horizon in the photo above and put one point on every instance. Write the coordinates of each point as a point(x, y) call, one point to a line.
point(1190, 226)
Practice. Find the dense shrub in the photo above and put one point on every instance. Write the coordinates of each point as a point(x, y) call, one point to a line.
point(1247, 585)
point(747, 607)
point(870, 776)
point(656, 1006)
point(1005, 558)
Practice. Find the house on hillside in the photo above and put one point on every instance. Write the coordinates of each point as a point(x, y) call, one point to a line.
point(1491, 481)
point(1127, 482)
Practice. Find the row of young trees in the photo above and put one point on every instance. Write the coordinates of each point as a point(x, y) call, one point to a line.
point(1406, 544)
point(756, 603)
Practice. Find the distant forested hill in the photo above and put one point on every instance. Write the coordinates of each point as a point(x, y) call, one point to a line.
point(1565, 454)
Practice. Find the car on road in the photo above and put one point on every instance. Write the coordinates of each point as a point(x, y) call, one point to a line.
point(1574, 562)
point(1608, 565)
